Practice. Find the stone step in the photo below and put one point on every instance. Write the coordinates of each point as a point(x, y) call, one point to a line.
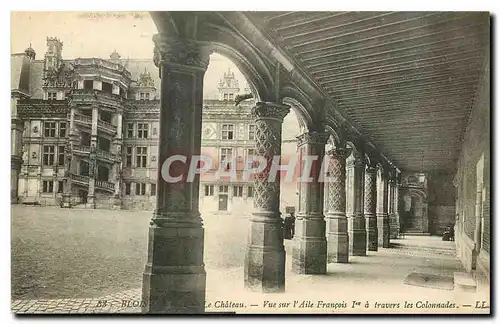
point(463, 281)
point(412, 233)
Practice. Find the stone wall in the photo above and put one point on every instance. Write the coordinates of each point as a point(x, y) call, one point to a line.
point(473, 249)
point(441, 202)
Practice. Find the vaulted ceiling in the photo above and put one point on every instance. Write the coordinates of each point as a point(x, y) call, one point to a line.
point(407, 79)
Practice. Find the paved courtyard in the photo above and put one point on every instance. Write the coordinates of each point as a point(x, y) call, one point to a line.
point(91, 261)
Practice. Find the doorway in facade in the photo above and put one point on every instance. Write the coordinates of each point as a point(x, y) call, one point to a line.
point(222, 202)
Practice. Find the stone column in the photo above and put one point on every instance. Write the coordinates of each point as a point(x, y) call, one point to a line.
point(117, 198)
point(68, 151)
point(370, 208)
point(356, 218)
point(16, 157)
point(393, 231)
point(66, 198)
point(174, 278)
point(265, 254)
point(309, 249)
point(336, 220)
point(92, 159)
point(396, 206)
point(382, 216)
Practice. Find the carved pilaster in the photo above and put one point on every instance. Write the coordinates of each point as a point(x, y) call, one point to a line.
point(391, 202)
point(309, 248)
point(174, 278)
point(370, 208)
point(382, 216)
point(355, 215)
point(336, 220)
point(265, 254)
point(66, 198)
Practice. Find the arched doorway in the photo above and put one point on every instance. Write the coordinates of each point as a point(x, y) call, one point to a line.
point(414, 218)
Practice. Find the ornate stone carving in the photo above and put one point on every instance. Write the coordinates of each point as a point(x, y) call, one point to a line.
point(337, 186)
point(313, 138)
point(268, 119)
point(370, 189)
point(179, 51)
point(270, 110)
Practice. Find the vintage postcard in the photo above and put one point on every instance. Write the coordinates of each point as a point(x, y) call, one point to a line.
point(181, 162)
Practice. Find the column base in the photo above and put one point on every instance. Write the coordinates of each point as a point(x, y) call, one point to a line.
point(357, 235)
point(117, 203)
point(393, 226)
point(90, 202)
point(337, 239)
point(371, 233)
point(265, 254)
point(309, 256)
point(383, 230)
point(66, 201)
point(309, 249)
point(174, 279)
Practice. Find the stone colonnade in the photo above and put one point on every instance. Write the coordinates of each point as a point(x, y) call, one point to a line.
point(174, 278)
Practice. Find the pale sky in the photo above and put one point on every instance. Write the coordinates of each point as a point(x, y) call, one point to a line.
point(98, 34)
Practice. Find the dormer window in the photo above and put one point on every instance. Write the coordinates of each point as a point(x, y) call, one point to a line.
point(51, 95)
point(144, 96)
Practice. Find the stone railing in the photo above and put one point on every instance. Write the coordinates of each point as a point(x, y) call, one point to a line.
point(106, 126)
point(105, 155)
point(80, 178)
point(105, 185)
point(82, 148)
point(83, 118)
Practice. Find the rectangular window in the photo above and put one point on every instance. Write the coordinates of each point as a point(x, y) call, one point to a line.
point(153, 189)
point(250, 192)
point(141, 156)
point(142, 96)
point(51, 95)
point(49, 129)
point(223, 189)
point(230, 96)
point(62, 129)
point(130, 130)
point(48, 155)
point(88, 84)
point(227, 131)
point(48, 186)
point(60, 187)
point(147, 95)
point(127, 188)
point(60, 155)
point(128, 158)
point(250, 154)
point(209, 190)
point(225, 96)
point(142, 130)
point(225, 157)
point(251, 132)
point(140, 189)
point(238, 191)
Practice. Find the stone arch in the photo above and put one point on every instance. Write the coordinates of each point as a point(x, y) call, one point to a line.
point(414, 213)
point(334, 129)
point(224, 41)
point(301, 104)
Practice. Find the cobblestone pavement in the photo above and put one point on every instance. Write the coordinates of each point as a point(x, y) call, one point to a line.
point(123, 302)
point(368, 273)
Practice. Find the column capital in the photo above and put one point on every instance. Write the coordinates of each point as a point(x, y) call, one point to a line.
point(180, 51)
point(313, 138)
point(270, 110)
point(339, 153)
point(371, 169)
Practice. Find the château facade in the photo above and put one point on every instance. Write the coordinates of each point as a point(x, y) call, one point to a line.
point(85, 133)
